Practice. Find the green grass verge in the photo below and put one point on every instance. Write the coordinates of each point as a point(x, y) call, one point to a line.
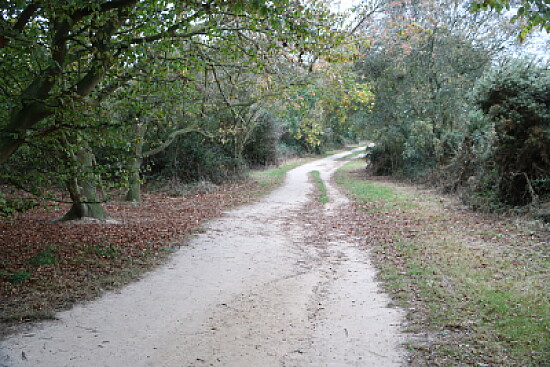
point(478, 287)
point(271, 178)
point(369, 192)
point(351, 155)
point(321, 187)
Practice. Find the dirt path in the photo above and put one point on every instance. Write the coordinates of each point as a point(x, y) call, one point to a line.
point(249, 291)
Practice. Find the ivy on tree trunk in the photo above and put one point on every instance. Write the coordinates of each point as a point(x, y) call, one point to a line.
point(83, 187)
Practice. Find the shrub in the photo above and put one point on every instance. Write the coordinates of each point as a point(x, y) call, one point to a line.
point(10, 206)
point(410, 151)
point(195, 158)
point(419, 148)
point(386, 157)
point(515, 99)
point(262, 147)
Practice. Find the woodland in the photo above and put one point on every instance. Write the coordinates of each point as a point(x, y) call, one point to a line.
point(125, 124)
point(105, 97)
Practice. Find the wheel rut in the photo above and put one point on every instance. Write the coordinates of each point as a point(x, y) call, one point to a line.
point(260, 287)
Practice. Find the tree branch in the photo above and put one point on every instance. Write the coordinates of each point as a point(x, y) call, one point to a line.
point(19, 25)
point(25, 15)
point(374, 9)
point(103, 8)
point(170, 139)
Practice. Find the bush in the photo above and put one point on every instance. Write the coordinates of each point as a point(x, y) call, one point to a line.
point(472, 159)
point(419, 148)
point(290, 144)
point(195, 158)
point(515, 98)
point(411, 151)
point(262, 147)
point(503, 159)
point(10, 206)
point(386, 157)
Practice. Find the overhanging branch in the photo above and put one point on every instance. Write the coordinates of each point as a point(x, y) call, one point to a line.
point(173, 135)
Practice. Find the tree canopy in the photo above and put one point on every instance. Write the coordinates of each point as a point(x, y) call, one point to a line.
point(107, 94)
point(535, 13)
point(55, 54)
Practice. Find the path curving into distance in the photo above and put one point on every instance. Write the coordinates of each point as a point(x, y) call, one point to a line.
point(248, 292)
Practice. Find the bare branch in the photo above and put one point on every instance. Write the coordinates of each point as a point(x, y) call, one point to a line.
point(25, 15)
point(173, 135)
point(22, 20)
point(375, 7)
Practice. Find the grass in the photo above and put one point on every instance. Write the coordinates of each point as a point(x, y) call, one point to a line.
point(19, 277)
point(321, 187)
point(104, 250)
point(270, 179)
point(370, 192)
point(476, 285)
point(45, 257)
point(351, 155)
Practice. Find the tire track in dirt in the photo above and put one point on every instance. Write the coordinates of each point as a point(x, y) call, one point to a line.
point(252, 290)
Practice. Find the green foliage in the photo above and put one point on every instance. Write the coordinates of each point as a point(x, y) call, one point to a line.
point(262, 147)
point(515, 99)
point(303, 119)
point(31, 170)
point(316, 113)
point(386, 157)
point(420, 147)
point(534, 12)
point(19, 277)
point(196, 158)
point(45, 257)
point(10, 206)
point(172, 67)
point(503, 158)
point(421, 106)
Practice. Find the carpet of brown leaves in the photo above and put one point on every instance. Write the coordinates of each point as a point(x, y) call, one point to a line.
point(47, 266)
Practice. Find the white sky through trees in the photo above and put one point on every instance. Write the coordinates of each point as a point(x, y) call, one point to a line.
point(537, 43)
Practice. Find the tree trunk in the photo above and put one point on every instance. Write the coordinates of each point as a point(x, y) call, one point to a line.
point(83, 209)
point(134, 181)
point(134, 164)
point(83, 191)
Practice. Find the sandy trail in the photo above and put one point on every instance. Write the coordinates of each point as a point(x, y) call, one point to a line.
point(247, 292)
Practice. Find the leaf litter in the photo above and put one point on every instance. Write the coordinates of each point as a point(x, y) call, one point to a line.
point(48, 266)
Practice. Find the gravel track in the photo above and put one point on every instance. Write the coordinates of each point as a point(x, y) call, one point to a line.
point(249, 291)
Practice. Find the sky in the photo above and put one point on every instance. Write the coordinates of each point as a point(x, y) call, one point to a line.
point(538, 43)
point(345, 4)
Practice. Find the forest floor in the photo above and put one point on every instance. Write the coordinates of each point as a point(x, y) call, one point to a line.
point(48, 266)
point(286, 281)
point(279, 282)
